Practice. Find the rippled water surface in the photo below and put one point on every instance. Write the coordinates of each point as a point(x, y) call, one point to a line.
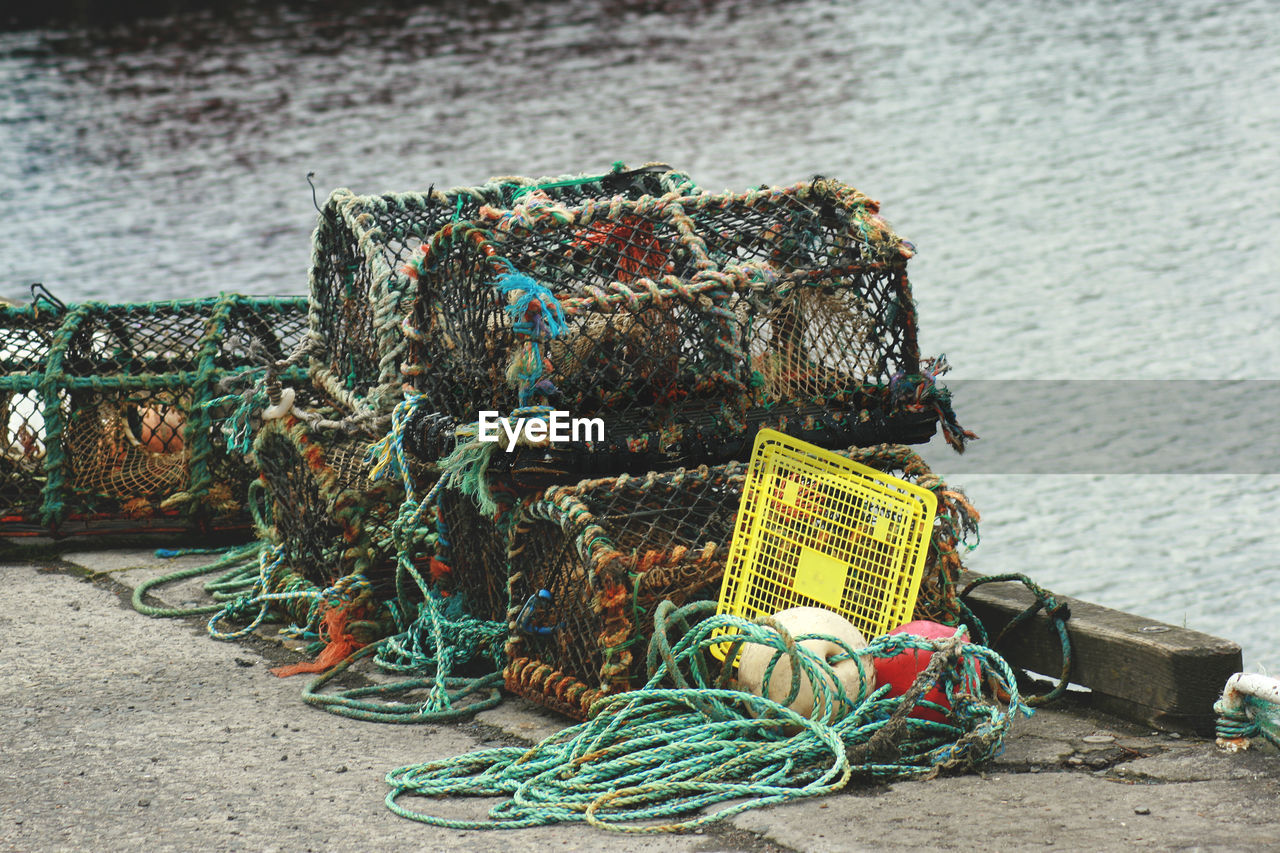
point(1094, 190)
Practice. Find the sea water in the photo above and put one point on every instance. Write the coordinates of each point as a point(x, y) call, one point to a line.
point(1093, 189)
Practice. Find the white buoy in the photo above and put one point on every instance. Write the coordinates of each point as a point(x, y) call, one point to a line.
point(755, 657)
point(281, 408)
point(1258, 697)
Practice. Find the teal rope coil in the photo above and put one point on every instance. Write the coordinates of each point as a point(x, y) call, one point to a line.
point(239, 566)
point(686, 742)
point(270, 562)
point(1248, 710)
point(441, 637)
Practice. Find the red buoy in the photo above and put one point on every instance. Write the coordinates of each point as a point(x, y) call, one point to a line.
point(900, 671)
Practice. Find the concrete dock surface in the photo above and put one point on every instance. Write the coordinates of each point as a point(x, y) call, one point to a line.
point(124, 732)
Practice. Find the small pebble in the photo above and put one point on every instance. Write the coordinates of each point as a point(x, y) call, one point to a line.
point(1099, 738)
point(144, 803)
point(1142, 810)
point(341, 769)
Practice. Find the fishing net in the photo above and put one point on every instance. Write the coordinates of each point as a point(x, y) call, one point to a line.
point(320, 507)
point(593, 561)
point(360, 294)
point(685, 323)
point(107, 412)
point(471, 557)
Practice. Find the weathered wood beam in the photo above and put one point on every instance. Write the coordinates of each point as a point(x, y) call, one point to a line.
point(1136, 668)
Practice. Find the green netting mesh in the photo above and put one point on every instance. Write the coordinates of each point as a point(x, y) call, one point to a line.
point(104, 409)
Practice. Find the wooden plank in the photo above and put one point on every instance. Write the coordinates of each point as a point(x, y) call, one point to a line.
point(1137, 668)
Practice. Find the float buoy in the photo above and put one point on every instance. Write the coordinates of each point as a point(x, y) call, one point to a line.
point(755, 658)
point(161, 430)
point(901, 670)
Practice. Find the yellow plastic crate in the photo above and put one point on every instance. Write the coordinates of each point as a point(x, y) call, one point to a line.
point(817, 529)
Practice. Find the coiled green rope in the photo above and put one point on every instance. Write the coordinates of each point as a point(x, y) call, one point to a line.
point(667, 753)
point(441, 637)
point(240, 563)
point(271, 576)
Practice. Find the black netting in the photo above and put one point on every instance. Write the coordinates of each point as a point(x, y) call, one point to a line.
point(323, 511)
point(472, 551)
point(684, 323)
point(594, 560)
point(589, 570)
point(362, 243)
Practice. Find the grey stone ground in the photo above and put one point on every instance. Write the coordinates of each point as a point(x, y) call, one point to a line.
point(122, 732)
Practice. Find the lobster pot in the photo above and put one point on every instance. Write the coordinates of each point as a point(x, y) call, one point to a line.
point(320, 507)
point(106, 417)
point(592, 564)
point(360, 292)
point(26, 335)
point(836, 319)
point(684, 324)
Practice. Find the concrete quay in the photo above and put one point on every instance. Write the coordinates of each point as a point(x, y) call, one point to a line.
point(123, 732)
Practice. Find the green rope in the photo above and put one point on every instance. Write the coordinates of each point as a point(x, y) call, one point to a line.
point(442, 636)
point(1242, 716)
point(1237, 724)
point(271, 575)
point(354, 702)
point(240, 564)
point(618, 166)
point(1057, 611)
point(667, 753)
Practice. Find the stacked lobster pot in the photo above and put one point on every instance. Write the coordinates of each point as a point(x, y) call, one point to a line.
point(321, 509)
point(107, 411)
point(587, 376)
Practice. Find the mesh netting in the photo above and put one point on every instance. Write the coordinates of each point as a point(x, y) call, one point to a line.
point(106, 415)
point(595, 559)
point(472, 555)
point(685, 323)
point(359, 294)
point(321, 508)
